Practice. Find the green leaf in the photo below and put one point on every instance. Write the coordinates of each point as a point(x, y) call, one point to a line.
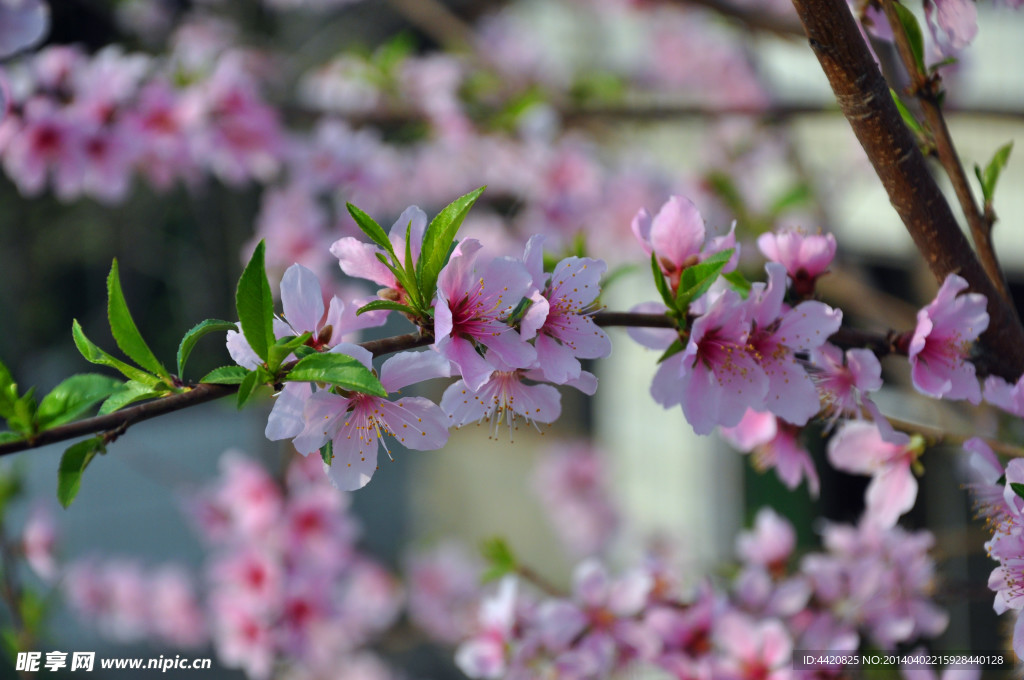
point(908, 117)
point(247, 387)
point(95, 355)
point(500, 558)
point(72, 464)
point(226, 375)
point(389, 305)
point(73, 397)
point(7, 437)
point(23, 418)
point(661, 284)
point(372, 229)
point(327, 452)
point(193, 336)
point(1018, 488)
point(123, 328)
point(8, 392)
point(437, 241)
point(410, 269)
point(696, 280)
point(914, 35)
point(992, 171)
point(400, 275)
point(129, 393)
point(337, 369)
point(255, 304)
point(797, 195)
point(676, 347)
point(738, 282)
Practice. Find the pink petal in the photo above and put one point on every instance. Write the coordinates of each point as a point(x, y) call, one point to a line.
point(409, 368)
point(510, 347)
point(474, 368)
point(556, 361)
point(302, 299)
point(241, 352)
point(286, 420)
point(359, 259)
point(809, 325)
point(322, 414)
point(677, 232)
point(891, 493)
point(791, 394)
point(355, 456)
point(416, 422)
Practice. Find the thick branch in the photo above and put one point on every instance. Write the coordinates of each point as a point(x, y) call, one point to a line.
point(925, 87)
point(863, 96)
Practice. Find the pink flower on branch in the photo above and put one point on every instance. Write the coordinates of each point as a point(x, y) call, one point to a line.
point(805, 256)
point(775, 446)
point(356, 422)
point(941, 343)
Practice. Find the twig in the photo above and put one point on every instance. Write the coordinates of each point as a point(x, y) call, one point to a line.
point(936, 435)
point(926, 89)
point(437, 21)
point(863, 96)
point(770, 22)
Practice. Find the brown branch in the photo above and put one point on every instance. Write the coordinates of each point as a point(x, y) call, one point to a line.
point(771, 22)
point(864, 98)
point(926, 89)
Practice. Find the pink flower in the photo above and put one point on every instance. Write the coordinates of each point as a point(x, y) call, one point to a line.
point(37, 541)
point(1008, 397)
point(359, 259)
point(471, 303)
point(941, 343)
point(843, 379)
point(753, 649)
point(776, 446)
point(444, 592)
point(776, 335)
point(485, 654)
point(953, 24)
point(676, 235)
point(770, 543)
point(805, 256)
point(176, 616)
point(357, 422)
point(715, 379)
point(502, 398)
point(557, 318)
point(858, 447)
point(989, 494)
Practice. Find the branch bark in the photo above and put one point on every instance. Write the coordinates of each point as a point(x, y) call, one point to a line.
point(864, 98)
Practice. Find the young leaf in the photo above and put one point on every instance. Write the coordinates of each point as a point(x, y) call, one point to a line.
point(226, 375)
point(280, 350)
point(129, 393)
point(438, 238)
point(73, 397)
point(198, 331)
point(676, 347)
point(337, 369)
point(400, 274)
point(372, 229)
point(95, 355)
point(500, 558)
point(908, 117)
point(993, 170)
point(696, 280)
point(246, 387)
point(386, 304)
point(327, 452)
point(1018, 488)
point(255, 304)
point(738, 282)
point(123, 328)
point(914, 35)
point(72, 464)
point(23, 419)
point(410, 269)
point(8, 392)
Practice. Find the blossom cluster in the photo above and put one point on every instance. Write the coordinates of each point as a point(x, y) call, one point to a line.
point(869, 586)
point(287, 588)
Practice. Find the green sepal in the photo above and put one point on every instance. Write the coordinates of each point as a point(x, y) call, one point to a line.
point(914, 36)
point(188, 342)
point(676, 347)
point(225, 375)
point(1018, 488)
point(337, 369)
point(73, 397)
point(126, 333)
point(255, 304)
point(372, 229)
point(990, 177)
point(129, 393)
point(696, 280)
point(437, 241)
point(738, 282)
point(500, 559)
point(280, 350)
point(388, 305)
point(661, 284)
point(72, 464)
point(95, 355)
point(327, 452)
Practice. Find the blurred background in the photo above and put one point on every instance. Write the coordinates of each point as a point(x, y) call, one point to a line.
point(173, 135)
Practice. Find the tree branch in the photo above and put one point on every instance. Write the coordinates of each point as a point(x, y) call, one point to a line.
point(864, 98)
point(926, 89)
point(119, 421)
